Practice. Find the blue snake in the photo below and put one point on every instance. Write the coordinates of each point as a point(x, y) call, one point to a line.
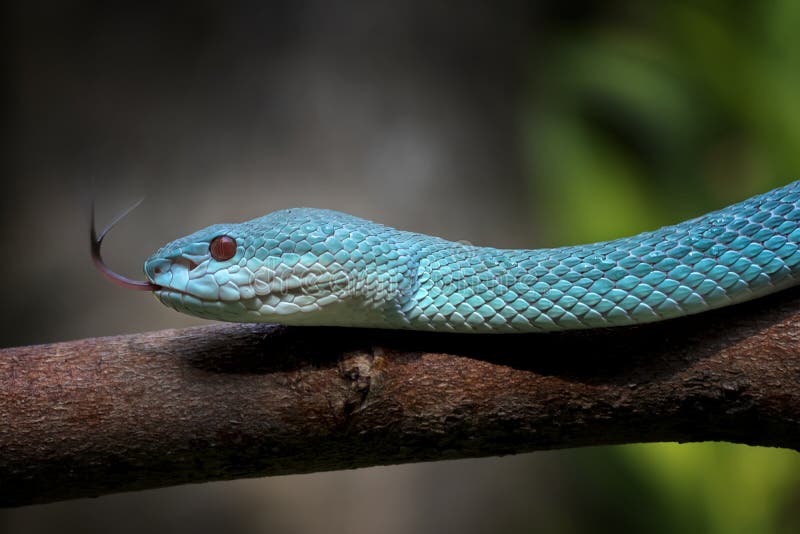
point(308, 266)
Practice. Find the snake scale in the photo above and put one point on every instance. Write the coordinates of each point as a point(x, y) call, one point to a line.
point(319, 267)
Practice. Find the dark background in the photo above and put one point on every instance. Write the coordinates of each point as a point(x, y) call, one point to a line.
point(512, 124)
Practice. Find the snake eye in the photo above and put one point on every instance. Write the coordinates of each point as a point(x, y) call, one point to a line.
point(222, 248)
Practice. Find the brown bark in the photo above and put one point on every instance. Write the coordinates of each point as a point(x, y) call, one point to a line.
point(113, 414)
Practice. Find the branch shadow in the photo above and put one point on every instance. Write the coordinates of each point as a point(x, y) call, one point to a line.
point(612, 355)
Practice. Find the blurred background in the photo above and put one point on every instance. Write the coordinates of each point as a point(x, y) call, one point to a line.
point(515, 124)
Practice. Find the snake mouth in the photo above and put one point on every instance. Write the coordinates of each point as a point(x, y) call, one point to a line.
point(166, 291)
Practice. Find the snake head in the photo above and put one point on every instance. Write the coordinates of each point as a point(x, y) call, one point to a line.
point(297, 266)
point(199, 273)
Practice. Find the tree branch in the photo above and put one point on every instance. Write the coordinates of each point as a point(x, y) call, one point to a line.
point(112, 414)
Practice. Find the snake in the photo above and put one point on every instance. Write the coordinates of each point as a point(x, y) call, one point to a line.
point(307, 266)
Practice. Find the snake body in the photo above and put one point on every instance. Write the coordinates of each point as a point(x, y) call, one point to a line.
point(320, 267)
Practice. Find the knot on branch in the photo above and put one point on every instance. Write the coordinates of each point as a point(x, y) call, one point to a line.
point(362, 372)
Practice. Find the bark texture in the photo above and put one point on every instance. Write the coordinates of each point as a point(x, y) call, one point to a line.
point(104, 415)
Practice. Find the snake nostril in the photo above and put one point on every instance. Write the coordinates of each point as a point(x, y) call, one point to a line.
point(156, 267)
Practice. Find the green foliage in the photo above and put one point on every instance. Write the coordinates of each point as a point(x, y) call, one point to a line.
point(664, 113)
point(703, 487)
point(644, 115)
point(728, 488)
